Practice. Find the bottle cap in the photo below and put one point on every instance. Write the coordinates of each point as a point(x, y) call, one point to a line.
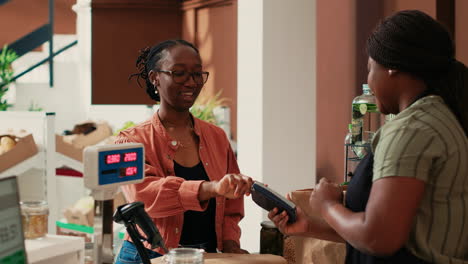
point(365, 87)
point(268, 224)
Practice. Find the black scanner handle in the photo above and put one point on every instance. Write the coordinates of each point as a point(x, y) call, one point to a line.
point(147, 226)
point(132, 215)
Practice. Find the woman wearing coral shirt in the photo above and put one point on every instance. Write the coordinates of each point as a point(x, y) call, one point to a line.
point(193, 189)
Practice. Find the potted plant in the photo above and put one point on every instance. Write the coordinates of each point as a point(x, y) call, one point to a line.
point(203, 109)
point(205, 105)
point(7, 56)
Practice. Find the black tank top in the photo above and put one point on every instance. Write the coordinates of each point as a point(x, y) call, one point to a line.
point(357, 196)
point(199, 227)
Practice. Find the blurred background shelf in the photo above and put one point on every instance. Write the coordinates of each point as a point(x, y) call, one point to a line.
point(63, 160)
point(53, 249)
point(36, 161)
point(36, 175)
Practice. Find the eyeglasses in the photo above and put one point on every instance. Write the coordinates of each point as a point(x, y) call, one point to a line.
point(180, 77)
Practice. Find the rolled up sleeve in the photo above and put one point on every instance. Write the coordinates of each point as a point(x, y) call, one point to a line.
point(163, 196)
point(234, 208)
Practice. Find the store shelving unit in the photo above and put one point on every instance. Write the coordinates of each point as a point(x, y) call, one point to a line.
point(353, 155)
point(63, 160)
point(40, 168)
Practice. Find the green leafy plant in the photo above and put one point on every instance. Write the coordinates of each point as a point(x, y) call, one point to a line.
point(126, 125)
point(7, 57)
point(204, 106)
point(202, 109)
point(34, 107)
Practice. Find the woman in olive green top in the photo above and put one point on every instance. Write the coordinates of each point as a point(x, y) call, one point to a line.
point(412, 203)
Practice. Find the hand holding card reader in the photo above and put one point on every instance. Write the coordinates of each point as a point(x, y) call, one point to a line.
point(269, 199)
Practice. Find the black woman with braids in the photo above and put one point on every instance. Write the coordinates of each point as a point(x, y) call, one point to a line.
point(408, 200)
point(193, 189)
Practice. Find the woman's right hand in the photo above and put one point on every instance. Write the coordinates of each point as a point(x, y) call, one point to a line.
point(281, 221)
point(231, 186)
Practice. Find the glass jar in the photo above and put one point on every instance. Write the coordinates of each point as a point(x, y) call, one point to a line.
point(34, 215)
point(271, 239)
point(89, 253)
point(184, 256)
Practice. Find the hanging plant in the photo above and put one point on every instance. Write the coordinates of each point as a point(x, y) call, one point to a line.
point(7, 56)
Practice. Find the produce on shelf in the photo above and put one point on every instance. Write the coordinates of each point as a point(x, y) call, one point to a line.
point(83, 128)
point(83, 135)
point(7, 142)
point(16, 146)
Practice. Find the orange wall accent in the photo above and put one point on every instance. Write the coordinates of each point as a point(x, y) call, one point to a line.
point(461, 34)
point(213, 29)
point(342, 30)
point(336, 83)
point(120, 28)
point(20, 17)
point(392, 6)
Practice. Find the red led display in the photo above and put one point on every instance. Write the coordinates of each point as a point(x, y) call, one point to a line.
point(131, 156)
point(130, 171)
point(112, 158)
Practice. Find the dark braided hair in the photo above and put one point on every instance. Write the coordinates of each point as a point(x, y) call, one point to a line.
point(150, 58)
point(413, 42)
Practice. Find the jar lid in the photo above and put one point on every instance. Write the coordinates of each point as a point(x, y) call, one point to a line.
point(34, 207)
point(268, 224)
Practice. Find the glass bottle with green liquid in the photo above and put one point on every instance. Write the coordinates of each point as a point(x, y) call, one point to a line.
point(365, 117)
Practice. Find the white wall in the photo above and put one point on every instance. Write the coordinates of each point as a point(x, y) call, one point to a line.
point(250, 109)
point(65, 98)
point(276, 100)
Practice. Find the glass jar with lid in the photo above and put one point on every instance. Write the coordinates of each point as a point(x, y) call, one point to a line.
point(34, 215)
point(271, 239)
point(184, 256)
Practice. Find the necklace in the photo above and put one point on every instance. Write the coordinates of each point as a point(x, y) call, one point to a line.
point(183, 135)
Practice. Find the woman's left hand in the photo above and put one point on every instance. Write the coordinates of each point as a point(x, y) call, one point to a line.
point(325, 194)
point(230, 246)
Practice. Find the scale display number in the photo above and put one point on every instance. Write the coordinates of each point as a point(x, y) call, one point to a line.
point(120, 165)
point(112, 158)
point(131, 156)
point(116, 158)
point(129, 171)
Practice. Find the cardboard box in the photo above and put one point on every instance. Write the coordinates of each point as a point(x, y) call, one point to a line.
point(84, 215)
point(25, 148)
point(73, 145)
point(301, 199)
point(308, 249)
point(299, 249)
point(79, 216)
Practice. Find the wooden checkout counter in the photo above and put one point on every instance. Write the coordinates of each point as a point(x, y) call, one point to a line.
point(227, 258)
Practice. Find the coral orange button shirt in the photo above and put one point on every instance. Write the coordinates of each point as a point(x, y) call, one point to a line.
point(167, 197)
